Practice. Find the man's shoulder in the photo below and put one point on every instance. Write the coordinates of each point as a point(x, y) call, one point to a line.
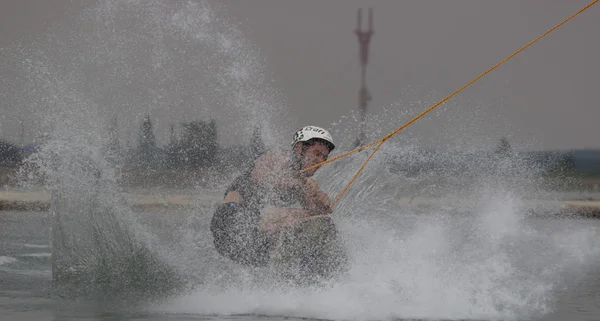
point(273, 164)
point(276, 154)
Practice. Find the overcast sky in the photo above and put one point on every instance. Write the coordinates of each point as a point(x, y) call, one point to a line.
point(544, 98)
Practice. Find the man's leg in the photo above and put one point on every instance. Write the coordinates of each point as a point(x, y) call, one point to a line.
point(236, 236)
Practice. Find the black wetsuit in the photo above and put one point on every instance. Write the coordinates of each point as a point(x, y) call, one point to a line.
point(235, 226)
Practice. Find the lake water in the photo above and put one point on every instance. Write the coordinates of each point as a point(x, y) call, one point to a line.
point(549, 271)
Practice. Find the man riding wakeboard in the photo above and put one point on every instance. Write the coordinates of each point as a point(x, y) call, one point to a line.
point(259, 203)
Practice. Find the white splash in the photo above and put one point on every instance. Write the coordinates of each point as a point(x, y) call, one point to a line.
point(7, 260)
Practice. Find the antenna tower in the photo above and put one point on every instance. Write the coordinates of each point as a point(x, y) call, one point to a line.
point(364, 97)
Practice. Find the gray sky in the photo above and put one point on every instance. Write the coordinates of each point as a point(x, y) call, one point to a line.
point(544, 98)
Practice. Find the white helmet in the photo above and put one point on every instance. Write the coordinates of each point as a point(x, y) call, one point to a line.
point(311, 132)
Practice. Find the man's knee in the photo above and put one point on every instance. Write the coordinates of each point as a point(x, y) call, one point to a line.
point(232, 218)
point(222, 218)
point(235, 233)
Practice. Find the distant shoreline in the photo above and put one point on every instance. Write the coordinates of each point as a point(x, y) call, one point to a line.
point(40, 201)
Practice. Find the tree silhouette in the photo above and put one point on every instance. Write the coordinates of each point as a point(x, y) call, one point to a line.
point(147, 142)
point(503, 148)
point(198, 145)
point(147, 139)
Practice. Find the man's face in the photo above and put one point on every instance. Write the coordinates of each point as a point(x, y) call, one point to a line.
point(314, 154)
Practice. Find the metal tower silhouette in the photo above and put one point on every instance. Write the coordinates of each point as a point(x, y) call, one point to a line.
point(364, 97)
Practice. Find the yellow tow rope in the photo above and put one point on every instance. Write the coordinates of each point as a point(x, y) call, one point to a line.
point(382, 140)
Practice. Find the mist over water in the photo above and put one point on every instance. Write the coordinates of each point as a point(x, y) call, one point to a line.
point(491, 263)
point(175, 61)
point(484, 258)
point(126, 59)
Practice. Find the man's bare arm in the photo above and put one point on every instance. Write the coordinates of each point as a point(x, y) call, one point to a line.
point(317, 201)
point(271, 170)
point(233, 197)
point(273, 219)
